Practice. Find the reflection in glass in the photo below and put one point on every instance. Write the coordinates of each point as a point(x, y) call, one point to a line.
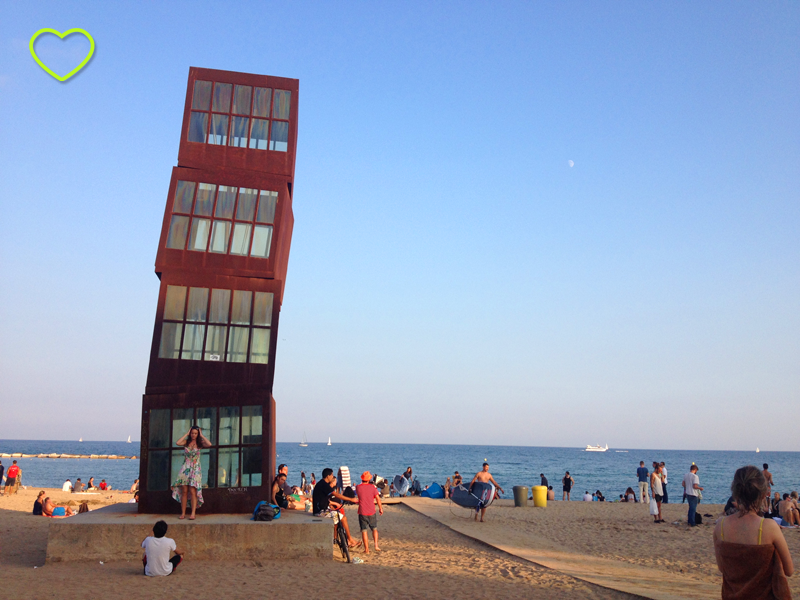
point(228, 425)
point(170, 346)
point(219, 130)
point(261, 102)
point(241, 100)
point(158, 436)
point(239, 131)
point(193, 342)
point(201, 98)
point(259, 132)
point(198, 303)
point(262, 238)
point(219, 237)
point(181, 422)
point(220, 301)
point(205, 199)
point(175, 464)
point(251, 466)
point(198, 125)
point(178, 228)
point(206, 419)
point(280, 136)
point(228, 465)
point(222, 97)
point(280, 109)
point(241, 239)
point(266, 207)
point(215, 342)
point(247, 204)
point(208, 465)
point(184, 193)
point(251, 424)
point(225, 201)
point(175, 302)
point(259, 346)
point(198, 239)
point(237, 344)
point(158, 471)
point(262, 309)
point(240, 315)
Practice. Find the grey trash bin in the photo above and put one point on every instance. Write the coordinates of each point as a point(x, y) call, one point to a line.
point(520, 495)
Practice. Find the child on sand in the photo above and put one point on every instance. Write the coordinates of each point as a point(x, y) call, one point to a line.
point(367, 496)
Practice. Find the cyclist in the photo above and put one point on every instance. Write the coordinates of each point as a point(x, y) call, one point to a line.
point(324, 506)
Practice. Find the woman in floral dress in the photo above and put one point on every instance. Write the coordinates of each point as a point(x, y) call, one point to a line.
point(190, 477)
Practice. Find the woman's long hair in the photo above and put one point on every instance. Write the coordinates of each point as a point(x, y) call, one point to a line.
point(749, 488)
point(189, 438)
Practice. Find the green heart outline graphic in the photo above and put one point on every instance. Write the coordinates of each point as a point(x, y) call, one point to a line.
point(62, 36)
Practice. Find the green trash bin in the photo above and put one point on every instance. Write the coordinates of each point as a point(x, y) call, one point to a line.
point(520, 495)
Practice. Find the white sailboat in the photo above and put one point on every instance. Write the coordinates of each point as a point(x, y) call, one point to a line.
point(596, 448)
point(329, 441)
point(129, 439)
point(80, 439)
point(304, 443)
point(757, 450)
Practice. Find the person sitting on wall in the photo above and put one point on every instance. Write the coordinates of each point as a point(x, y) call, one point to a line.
point(326, 505)
point(157, 548)
point(278, 496)
point(50, 509)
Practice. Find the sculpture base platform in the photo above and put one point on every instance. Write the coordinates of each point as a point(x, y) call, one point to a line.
point(116, 532)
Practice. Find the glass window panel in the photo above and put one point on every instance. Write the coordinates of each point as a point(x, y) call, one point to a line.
point(261, 102)
point(158, 435)
point(240, 315)
point(208, 465)
point(206, 419)
point(201, 98)
point(280, 108)
point(225, 201)
point(219, 236)
point(251, 466)
point(158, 471)
point(215, 342)
point(198, 239)
point(280, 136)
point(219, 130)
point(228, 467)
point(178, 229)
point(205, 199)
point(262, 239)
point(198, 126)
point(251, 424)
point(222, 97)
point(176, 464)
point(198, 303)
point(237, 344)
point(246, 207)
point(193, 342)
point(259, 133)
point(220, 301)
point(228, 425)
point(181, 422)
point(266, 207)
point(262, 309)
point(241, 99)
point(259, 346)
point(175, 302)
point(241, 239)
point(184, 194)
point(239, 127)
point(170, 340)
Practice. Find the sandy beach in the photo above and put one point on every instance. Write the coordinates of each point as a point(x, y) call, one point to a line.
point(421, 557)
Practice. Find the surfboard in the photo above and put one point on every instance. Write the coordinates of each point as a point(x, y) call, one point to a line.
point(401, 485)
point(480, 496)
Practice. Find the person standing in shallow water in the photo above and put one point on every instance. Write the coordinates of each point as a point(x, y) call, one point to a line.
point(189, 482)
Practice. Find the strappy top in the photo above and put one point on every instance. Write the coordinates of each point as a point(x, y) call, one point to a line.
point(722, 529)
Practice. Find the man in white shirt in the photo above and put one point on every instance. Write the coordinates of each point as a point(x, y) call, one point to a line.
point(157, 548)
point(665, 498)
point(67, 487)
point(587, 497)
point(691, 484)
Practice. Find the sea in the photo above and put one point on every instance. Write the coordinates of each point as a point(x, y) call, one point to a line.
point(611, 472)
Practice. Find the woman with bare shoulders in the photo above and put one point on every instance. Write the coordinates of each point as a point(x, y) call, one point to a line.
point(656, 480)
point(751, 551)
point(189, 482)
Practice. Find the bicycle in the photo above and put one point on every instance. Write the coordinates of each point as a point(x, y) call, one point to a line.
point(341, 536)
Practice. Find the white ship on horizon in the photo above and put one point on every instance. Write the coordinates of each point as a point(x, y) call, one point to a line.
point(596, 448)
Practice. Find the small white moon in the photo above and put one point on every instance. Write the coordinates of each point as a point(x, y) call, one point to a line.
point(571, 163)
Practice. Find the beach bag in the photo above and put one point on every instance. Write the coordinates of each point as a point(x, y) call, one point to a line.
point(266, 512)
point(653, 507)
point(698, 519)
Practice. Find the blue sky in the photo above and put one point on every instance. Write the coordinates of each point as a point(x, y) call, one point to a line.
point(452, 278)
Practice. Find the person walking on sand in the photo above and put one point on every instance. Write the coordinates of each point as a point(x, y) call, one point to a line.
point(485, 477)
point(566, 485)
point(642, 474)
point(691, 485)
point(189, 482)
point(368, 495)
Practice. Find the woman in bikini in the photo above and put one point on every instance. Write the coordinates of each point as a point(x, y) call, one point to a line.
point(189, 483)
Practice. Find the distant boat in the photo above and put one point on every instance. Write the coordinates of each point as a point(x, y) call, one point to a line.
point(304, 443)
point(129, 439)
point(80, 439)
point(329, 441)
point(757, 450)
point(596, 448)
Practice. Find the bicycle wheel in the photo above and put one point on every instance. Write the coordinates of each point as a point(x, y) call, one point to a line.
point(342, 541)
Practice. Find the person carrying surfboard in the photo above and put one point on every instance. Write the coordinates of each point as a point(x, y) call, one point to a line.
point(484, 477)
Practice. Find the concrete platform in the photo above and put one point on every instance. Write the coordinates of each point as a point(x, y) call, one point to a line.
point(116, 532)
